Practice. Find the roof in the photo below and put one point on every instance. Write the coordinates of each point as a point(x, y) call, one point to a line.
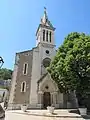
point(26, 51)
point(42, 77)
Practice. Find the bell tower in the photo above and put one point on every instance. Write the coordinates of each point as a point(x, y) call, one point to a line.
point(45, 31)
point(45, 42)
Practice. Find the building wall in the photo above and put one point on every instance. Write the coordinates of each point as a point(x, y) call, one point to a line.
point(38, 55)
point(35, 77)
point(13, 84)
point(56, 95)
point(21, 97)
point(40, 36)
point(42, 51)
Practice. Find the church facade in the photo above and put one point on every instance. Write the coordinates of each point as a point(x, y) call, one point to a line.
point(31, 84)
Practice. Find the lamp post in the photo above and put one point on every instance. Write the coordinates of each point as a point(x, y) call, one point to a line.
point(1, 61)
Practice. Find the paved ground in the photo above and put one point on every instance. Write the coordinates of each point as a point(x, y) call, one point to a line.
point(41, 115)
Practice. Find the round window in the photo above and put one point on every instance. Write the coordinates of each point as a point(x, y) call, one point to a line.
point(46, 87)
point(47, 51)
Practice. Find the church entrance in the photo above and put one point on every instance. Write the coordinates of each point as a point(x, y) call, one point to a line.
point(46, 99)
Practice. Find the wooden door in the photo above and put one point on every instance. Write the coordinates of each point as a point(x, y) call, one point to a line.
point(46, 99)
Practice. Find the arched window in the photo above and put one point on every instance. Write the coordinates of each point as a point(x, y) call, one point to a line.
point(43, 35)
point(23, 86)
point(46, 62)
point(25, 67)
point(50, 36)
point(47, 36)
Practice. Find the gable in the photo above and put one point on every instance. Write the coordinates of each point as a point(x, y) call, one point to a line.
point(46, 81)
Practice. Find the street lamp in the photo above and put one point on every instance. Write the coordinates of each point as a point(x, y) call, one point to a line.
point(1, 61)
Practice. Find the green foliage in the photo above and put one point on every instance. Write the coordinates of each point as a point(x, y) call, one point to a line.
point(70, 68)
point(5, 74)
point(5, 87)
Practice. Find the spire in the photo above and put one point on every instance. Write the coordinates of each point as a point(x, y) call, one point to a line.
point(45, 17)
point(45, 9)
point(45, 21)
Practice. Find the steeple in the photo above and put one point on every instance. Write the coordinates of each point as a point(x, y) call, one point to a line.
point(45, 20)
point(45, 17)
point(45, 31)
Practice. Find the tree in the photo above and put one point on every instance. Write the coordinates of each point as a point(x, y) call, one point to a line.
point(70, 68)
point(5, 74)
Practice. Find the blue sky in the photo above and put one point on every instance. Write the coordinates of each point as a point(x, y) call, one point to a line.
point(19, 20)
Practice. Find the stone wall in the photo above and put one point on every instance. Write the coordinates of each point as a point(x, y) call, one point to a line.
point(21, 97)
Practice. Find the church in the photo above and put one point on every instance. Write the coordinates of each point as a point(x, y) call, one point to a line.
point(31, 84)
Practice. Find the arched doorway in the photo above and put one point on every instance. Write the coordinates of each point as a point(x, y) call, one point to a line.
point(46, 99)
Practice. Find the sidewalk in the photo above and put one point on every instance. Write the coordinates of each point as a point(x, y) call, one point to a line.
point(44, 113)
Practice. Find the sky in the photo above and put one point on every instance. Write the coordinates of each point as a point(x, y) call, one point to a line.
point(19, 20)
